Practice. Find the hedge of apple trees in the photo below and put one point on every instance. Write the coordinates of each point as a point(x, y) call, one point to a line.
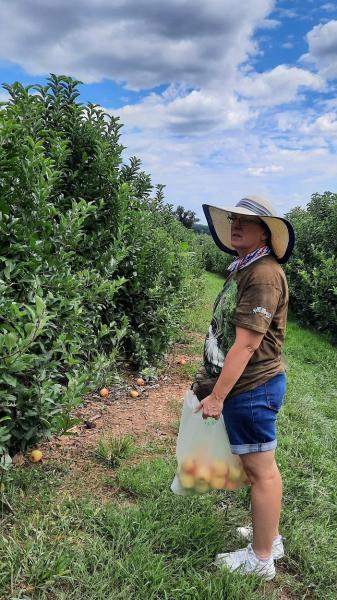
point(95, 269)
point(312, 269)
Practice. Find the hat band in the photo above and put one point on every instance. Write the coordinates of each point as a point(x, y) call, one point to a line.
point(254, 207)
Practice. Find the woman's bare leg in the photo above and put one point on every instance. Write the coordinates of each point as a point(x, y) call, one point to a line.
point(266, 498)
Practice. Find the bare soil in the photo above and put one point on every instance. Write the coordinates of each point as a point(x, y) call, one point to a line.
point(151, 418)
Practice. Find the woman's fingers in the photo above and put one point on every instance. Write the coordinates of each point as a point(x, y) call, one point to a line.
point(207, 411)
point(210, 416)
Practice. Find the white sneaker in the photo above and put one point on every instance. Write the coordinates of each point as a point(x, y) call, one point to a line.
point(246, 562)
point(277, 547)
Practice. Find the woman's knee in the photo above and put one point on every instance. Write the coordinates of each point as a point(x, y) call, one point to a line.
point(260, 467)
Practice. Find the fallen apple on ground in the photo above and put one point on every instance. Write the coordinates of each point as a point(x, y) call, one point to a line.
point(35, 456)
point(104, 392)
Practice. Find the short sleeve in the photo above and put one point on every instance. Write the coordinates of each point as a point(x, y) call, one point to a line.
point(256, 307)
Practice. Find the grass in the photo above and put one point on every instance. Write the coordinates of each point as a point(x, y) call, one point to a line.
point(111, 450)
point(198, 319)
point(160, 546)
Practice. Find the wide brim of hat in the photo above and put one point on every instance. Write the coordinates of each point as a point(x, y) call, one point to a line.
point(282, 232)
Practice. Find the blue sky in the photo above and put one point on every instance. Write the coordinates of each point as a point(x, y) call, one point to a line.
point(218, 98)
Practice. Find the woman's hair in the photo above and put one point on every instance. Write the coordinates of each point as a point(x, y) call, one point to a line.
point(267, 232)
point(268, 235)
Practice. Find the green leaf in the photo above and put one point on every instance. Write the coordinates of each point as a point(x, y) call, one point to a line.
point(10, 340)
point(40, 306)
point(9, 379)
point(29, 434)
point(29, 328)
point(5, 462)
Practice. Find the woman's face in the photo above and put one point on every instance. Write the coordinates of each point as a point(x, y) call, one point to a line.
point(247, 234)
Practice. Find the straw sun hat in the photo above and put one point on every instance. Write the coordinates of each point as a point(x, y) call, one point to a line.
point(282, 232)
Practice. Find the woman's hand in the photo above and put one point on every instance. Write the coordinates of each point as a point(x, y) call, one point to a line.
point(237, 358)
point(211, 407)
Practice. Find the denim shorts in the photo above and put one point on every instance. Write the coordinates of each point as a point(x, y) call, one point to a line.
point(250, 417)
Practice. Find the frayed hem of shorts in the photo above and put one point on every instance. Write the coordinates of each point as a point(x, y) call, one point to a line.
point(249, 448)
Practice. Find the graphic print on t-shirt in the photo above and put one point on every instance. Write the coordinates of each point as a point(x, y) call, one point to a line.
point(221, 332)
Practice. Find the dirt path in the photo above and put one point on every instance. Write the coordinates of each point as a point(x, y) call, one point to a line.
point(151, 419)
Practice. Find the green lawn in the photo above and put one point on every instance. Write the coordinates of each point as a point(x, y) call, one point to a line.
point(157, 546)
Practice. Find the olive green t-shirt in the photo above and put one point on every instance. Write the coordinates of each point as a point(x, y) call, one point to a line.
point(254, 298)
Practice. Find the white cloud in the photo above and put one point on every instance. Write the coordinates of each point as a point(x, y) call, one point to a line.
point(325, 126)
point(287, 121)
point(194, 113)
point(269, 24)
point(330, 104)
point(279, 85)
point(322, 41)
point(260, 171)
point(309, 130)
point(217, 109)
point(220, 167)
point(328, 7)
point(200, 112)
point(287, 13)
point(140, 42)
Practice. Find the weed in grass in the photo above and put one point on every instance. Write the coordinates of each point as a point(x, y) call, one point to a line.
point(113, 449)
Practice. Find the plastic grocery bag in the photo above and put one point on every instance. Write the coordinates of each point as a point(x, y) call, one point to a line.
point(204, 457)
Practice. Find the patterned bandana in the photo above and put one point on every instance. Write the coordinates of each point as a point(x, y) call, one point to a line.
point(241, 263)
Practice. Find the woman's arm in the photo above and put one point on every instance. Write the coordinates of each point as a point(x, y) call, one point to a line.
point(237, 358)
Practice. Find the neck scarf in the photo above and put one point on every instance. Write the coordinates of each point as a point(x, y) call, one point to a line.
point(244, 261)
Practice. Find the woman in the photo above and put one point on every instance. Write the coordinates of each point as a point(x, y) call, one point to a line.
point(243, 376)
